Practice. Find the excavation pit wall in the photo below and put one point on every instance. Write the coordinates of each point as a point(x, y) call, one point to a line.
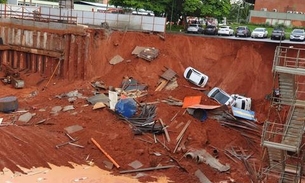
point(47, 48)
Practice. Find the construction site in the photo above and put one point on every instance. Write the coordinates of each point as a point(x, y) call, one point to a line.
point(59, 82)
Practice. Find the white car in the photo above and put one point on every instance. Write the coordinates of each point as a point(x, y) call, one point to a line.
point(195, 28)
point(297, 35)
point(242, 102)
point(195, 77)
point(221, 97)
point(259, 32)
point(225, 30)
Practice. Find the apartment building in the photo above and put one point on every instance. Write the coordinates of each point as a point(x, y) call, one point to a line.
point(288, 12)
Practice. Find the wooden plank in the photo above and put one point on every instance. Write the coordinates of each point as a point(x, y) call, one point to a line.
point(168, 75)
point(165, 131)
point(147, 169)
point(50, 53)
point(183, 130)
point(161, 85)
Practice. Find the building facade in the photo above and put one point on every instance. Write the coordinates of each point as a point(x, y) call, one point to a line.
point(287, 12)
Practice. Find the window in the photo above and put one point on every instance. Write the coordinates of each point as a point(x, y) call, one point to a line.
point(263, 9)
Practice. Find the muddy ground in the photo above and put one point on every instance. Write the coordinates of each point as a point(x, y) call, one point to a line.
point(242, 67)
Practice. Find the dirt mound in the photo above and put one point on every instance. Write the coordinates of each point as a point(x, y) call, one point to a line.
point(241, 67)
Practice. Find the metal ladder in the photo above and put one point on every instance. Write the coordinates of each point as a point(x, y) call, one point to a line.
point(287, 89)
point(294, 128)
point(291, 174)
point(276, 159)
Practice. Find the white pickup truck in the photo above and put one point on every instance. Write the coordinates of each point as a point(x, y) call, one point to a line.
point(242, 102)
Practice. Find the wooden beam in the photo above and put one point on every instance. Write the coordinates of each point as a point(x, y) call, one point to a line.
point(50, 53)
point(183, 130)
point(165, 131)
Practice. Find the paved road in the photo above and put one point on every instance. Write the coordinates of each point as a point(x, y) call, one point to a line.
point(287, 41)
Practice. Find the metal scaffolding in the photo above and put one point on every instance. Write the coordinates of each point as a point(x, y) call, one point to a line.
point(283, 140)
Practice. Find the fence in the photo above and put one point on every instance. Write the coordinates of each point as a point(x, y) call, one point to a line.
point(115, 21)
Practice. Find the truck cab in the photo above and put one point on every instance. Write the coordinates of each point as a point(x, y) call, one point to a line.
point(242, 102)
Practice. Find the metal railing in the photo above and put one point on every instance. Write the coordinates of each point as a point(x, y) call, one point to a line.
point(37, 16)
point(289, 57)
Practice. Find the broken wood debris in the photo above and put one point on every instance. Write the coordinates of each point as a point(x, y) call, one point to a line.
point(173, 101)
point(144, 140)
point(177, 144)
point(130, 84)
point(168, 76)
point(252, 174)
point(237, 152)
point(76, 145)
point(228, 120)
point(69, 142)
point(98, 85)
point(178, 163)
point(147, 169)
point(183, 130)
point(105, 153)
point(145, 121)
point(149, 54)
point(195, 88)
point(161, 84)
point(174, 116)
point(163, 144)
point(165, 130)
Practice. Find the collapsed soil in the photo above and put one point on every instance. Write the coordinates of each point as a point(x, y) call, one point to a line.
point(236, 66)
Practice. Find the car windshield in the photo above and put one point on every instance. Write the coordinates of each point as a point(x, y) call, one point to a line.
point(221, 98)
point(193, 25)
point(241, 28)
point(259, 30)
point(224, 27)
point(201, 81)
point(278, 30)
point(298, 31)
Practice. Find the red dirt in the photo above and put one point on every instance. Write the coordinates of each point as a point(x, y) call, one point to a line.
point(242, 67)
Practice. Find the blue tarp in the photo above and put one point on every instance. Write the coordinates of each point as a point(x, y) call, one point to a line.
point(243, 113)
point(126, 107)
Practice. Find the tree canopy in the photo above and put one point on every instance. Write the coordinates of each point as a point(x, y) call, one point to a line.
point(174, 9)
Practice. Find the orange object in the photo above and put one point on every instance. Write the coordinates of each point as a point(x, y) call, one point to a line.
point(106, 154)
point(191, 100)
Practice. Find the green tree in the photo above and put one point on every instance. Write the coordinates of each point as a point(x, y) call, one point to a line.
point(175, 9)
point(240, 12)
point(213, 8)
point(157, 6)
